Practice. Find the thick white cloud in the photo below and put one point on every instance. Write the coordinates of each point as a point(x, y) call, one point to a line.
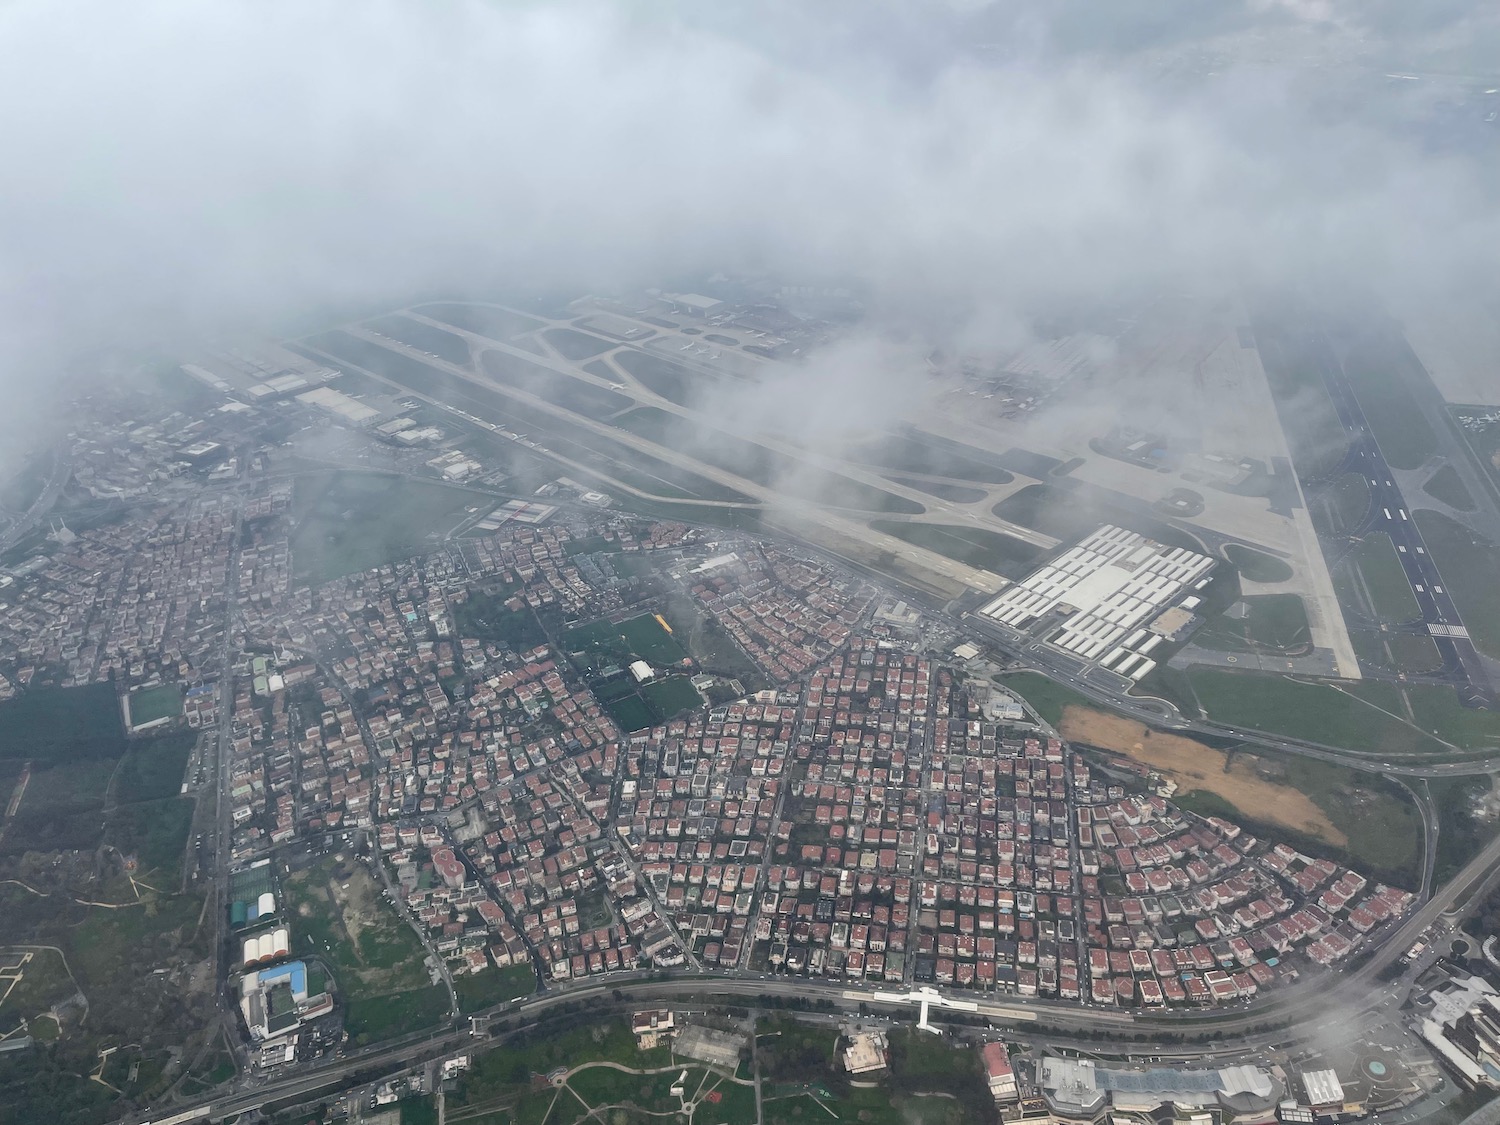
point(171, 166)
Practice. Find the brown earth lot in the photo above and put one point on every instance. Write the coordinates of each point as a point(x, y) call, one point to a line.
point(1192, 765)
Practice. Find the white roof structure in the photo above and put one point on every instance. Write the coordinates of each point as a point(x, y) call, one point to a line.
point(1107, 587)
point(336, 402)
point(1083, 1084)
point(1322, 1087)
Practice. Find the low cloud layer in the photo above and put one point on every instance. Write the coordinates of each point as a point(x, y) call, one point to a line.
point(173, 168)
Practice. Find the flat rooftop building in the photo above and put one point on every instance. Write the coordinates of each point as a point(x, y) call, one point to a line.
point(716, 1048)
point(1102, 591)
point(1080, 1089)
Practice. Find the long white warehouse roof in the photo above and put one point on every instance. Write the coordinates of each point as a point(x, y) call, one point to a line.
point(1107, 586)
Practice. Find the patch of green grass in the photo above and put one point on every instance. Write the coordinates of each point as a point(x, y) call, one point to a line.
point(1470, 567)
point(577, 395)
point(1390, 595)
point(1445, 485)
point(482, 320)
point(713, 649)
point(1413, 652)
point(987, 550)
point(1461, 834)
point(1315, 435)
point(926, 1058)
point(589, 545)
point(599, 1086)
point(149, 704)
point(488, 618)
point(1405, 438)
point(45, 981)
point(1207, 803)
point(572, 344)
point(1316, 712)
point(1382, 825)
point(58, 726)
point(1071, 510)
point(153, 768)
point(1436, 708)
point(497, 1075)
point(671, 381)
point(1342, 506)
point(493, 986)
point(631, 713)
point(761, 464)
point(915, 451)
point(424, 337)
point(790, 1051)
point(380, 967)
point(671, 696)
point(638, 637)
point(62, 809)
point(956, 493)
point(156, 833)
point(349, 522)
point(369, 1019)
point(736, 1106)
point(1274, 622)
point(38, 1088)
point(1257, 566)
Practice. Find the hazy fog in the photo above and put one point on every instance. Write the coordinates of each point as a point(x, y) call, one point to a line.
point(172, 168)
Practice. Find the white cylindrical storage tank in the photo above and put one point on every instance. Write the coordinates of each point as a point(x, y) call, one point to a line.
point(251, 951)
point(279, 941)
point(267, 947)
point(266, 904)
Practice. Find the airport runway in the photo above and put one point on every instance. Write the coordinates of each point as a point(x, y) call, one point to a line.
point(1389, 513)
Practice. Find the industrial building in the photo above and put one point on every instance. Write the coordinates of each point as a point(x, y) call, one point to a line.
point(1463, 1028)
point(999, 1073)
point(716, 1048)
point(1082, 1090)
point(253, 897)
point(866, 1052)
point(1322, 1091)
point(265, 946)
point(1100, 599)
point(277, 1001)
point(338, 404)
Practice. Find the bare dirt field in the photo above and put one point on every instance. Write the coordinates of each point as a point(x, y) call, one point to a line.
point(1196, 766)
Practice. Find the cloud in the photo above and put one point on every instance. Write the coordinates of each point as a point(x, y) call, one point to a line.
point(174, 168)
